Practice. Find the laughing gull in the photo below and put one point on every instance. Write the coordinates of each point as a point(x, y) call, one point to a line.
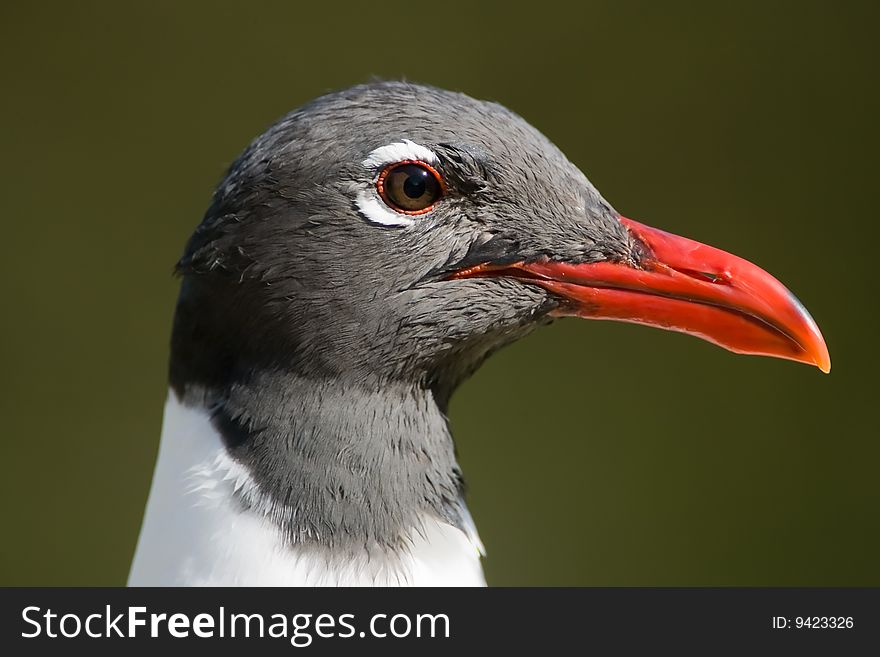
point(360, 259)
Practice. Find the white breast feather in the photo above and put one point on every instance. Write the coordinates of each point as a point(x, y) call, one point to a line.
point(196, 534)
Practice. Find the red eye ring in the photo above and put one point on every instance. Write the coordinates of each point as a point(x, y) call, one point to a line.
point(394, 203)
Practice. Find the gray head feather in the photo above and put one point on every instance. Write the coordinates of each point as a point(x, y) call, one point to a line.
point(327, 345)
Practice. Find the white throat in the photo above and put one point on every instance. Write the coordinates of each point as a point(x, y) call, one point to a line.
point(195, 532)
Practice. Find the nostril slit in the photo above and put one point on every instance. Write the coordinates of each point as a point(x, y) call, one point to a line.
point(716, 279)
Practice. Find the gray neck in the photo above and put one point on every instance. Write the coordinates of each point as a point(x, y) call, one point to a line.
point(337, 465)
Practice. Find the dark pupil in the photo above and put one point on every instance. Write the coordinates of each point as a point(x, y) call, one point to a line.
point(416, 183)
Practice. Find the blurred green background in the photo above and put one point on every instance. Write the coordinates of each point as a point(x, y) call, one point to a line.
point(597, 453)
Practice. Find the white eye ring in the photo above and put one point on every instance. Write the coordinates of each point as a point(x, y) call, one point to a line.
point(375, 211)
point(399, 151)
point(368, 202)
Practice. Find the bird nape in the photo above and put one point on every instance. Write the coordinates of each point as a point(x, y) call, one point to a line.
point(359, 260)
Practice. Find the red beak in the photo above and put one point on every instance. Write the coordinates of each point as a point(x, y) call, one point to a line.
point(683, 285)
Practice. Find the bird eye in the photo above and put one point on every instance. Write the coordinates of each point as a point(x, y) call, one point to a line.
point(410, 187)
